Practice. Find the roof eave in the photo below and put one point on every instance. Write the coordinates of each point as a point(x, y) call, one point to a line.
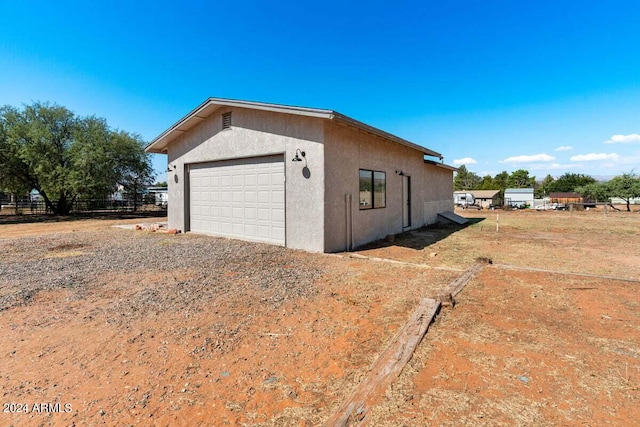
point(440, 165)
point(160, 143)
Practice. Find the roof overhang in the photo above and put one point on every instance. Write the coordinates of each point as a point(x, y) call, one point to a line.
point(203, 111)
point(440, 165)
point(484, 194)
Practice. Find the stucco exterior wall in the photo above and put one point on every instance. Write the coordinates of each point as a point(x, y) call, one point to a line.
point(347, 150)
point(258, 133)
point(438, 192)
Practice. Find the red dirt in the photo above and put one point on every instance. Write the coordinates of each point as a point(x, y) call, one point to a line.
point(573, 359)
point(518, 348)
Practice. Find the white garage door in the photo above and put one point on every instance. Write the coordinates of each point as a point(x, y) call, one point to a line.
point(242, 198)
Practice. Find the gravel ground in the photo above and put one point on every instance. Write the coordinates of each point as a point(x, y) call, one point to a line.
point(216, 266)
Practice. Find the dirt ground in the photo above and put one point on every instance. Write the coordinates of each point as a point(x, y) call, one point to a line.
point(520, 347)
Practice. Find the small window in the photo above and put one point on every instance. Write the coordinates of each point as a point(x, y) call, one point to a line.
point(226, 120)
point(373, 189)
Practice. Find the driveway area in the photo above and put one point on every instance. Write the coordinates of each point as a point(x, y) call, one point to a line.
point(131, 326)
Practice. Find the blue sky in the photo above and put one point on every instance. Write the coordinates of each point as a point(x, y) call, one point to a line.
point(548, 86)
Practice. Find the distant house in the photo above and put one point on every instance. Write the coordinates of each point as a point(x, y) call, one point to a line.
point(566, 198)
point(518, 197)
point(619, 201)
point(160, 195)
point(486, 198)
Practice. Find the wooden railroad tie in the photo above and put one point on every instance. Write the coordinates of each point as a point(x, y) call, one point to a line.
point(389, 365)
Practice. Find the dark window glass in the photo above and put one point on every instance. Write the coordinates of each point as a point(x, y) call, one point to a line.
point(379, 190)
point(373, 189)
point(366, 185)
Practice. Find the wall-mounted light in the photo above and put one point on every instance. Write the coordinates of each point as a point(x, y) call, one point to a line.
point(171, 168)
point(297, 158)
point(305, 170)
point(401, 173)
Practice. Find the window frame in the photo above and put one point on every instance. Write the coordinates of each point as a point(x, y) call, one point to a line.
point(370, 175)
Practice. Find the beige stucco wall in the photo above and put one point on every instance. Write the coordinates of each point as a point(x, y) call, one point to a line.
point(347, 150)
point(438, 192)
point(259, 133)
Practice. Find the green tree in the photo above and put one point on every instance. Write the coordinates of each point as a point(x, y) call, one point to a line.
point(626, 187)
point(487, 183)
point(465, 180)
point(570, 181)
point(598, 191)
point(501, 181)
point(133, 167)
point(521, 179)
point(10, 181)
point(47, 148)
point(544, 188)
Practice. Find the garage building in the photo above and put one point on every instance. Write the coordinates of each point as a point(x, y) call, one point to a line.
point(304, 178)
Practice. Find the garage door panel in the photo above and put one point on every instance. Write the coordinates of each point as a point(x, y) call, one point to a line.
point(263, 231)
point(226, 212)
point(238, 229)
point(264, 180)
point(277, 197)
point(238, 214)
point(242, 198)
point(264, 214)
point(277, 177)
point(251, 231)
point(237, 180)
point(277, 215)
point(264, 197)
point(250, 213)
point(250, 197)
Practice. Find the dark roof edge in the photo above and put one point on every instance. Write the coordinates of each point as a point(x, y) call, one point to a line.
point(440, 165)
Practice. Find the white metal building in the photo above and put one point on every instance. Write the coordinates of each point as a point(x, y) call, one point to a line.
point(518, 197)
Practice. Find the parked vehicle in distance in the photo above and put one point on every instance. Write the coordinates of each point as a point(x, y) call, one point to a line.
point(477, 207)
point(551, 207)
point(461, 198)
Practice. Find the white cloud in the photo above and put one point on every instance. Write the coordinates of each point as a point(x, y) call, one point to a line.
point(624, 139)
point(594, 156)
point(564, 148)
point(465, 161)
point(558, 166)
point(527, 159)
point(549, 166)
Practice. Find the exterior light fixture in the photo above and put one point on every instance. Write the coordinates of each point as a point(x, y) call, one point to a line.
point(171, 168)
point(297, 158)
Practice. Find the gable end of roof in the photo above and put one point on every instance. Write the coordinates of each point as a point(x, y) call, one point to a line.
point(159, 144)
